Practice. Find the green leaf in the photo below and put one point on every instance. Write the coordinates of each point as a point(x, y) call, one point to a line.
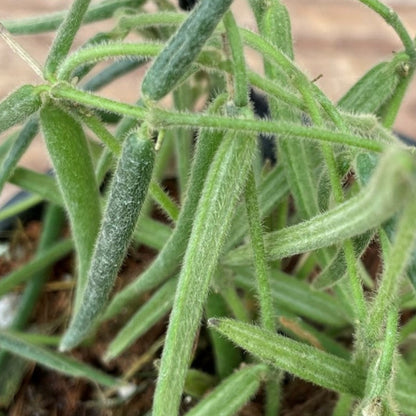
point(301, 360)
point(127, 193)
point(19, 146)
point(150, 313)
point(38, 184)
point(226, 356)
point(18, 106)
point(168, 260)
point(65, 36)
point(16, 344)
point(49, 22)
point(374, 88)
point(225, 180)
point(391, 184)
point(183, 48)
point(229, 396)
point(297, 297)
point(68, 149)
point(337, 268)
point(46, 258)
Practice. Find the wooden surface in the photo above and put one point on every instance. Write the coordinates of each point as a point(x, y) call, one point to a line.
point(338, 39)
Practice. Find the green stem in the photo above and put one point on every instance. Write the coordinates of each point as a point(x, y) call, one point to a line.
point(392, 109)
point(239, 64)
point(129, 22)
point(336, 186)
point(355, 281)
point(65, 36)
point(386, 364)
point(271, 53)
point(396, 263)
point(391, 17)
point(65, 91)
point(98, 128)
point(260, 264)
point(273, 392)
point(164, 201)
point(381, 370)
point(225, 179)
point(275, 90)
point(103, 51)
point(277, 57)
point(183, 139)
point(167, 119)
point(234, 303)
point(49, 22)
point(226, 357)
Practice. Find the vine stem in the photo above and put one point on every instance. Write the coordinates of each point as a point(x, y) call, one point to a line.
point(398, 259)
point(183, 139)
point(354, 280)
point(239, 63)
point(166, 119)
point(391, 17)
point(310, 93)
point(272, 54)
point(65, 36)
point(129, 22)
point(65, 91)
point(96, 53)
point(392, 109)
point(260, 263)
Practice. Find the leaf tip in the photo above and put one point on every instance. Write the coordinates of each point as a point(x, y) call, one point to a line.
point(213, 322)
point(67, 342)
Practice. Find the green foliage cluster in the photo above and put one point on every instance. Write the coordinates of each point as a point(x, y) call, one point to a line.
point(221, 253)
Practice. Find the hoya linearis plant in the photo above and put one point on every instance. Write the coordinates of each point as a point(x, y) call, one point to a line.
point(221, 248)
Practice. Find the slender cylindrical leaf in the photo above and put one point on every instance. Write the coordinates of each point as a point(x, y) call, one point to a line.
point(25, 137)
point(38, 184)
point(47, 258)
point(68, 149)
point(183, 48)
point(224, 182)
point(18, 106)
point(127, 194)
point(151, 312)
point(297, 297)
point(49, 22)
point(226, 356)
point(306, 362)
point(374, 88)
point(386, 192)
point(16, 344)
point(229, 396)
point(169, 258)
